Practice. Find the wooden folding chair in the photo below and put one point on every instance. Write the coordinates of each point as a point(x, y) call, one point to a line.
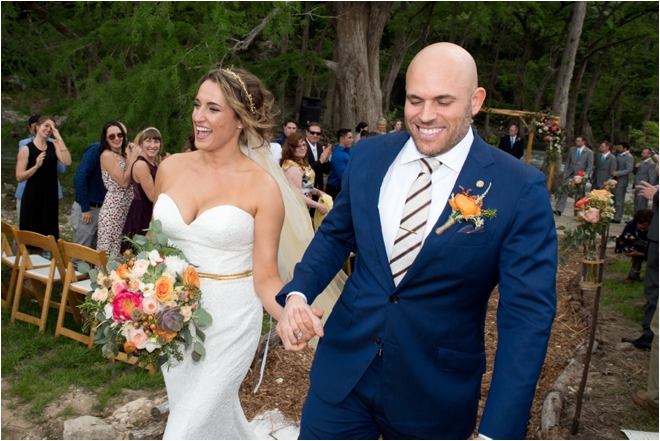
point(76, 287)
point(14, 261)
point(53, 273)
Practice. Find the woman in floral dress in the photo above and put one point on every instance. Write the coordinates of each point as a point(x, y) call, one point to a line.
point(117, 157)
point(296, 167)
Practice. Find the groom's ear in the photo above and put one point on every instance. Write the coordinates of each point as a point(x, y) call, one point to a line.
point(478, 97)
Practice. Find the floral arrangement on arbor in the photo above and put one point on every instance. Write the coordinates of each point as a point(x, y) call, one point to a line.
point(594, 212)
point(146, 302)
point(549, 129)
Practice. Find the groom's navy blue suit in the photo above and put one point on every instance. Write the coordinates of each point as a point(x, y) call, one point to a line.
point(431, 327)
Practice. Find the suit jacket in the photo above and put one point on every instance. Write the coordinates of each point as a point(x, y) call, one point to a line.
point(319, 168)
point(516, 150)
point(624, 166)
point(603, 170)
point(574, 164)
point(431, 326)
point(646, 172)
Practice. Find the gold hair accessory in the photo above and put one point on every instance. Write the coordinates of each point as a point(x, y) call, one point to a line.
point(240, 81)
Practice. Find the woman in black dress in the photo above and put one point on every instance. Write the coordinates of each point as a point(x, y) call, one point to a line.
point(38, 165)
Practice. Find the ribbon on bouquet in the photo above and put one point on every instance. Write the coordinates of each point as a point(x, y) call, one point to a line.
point(263, 361)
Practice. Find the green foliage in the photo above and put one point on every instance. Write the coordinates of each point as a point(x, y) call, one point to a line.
point(650, 139)
point(625, 298)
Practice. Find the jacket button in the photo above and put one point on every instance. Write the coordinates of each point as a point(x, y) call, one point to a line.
point(377, 340)
point(394, 299)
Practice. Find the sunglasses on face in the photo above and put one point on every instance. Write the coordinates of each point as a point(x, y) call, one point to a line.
point(112, 136)
point(314, 133)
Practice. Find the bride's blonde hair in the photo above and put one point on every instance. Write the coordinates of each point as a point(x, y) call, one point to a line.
point(249, 99)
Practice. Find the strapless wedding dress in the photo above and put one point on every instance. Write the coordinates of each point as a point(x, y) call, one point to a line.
point(203, 395)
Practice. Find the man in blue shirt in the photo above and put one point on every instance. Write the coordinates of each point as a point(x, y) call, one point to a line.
point(90, 193)
point(61, 168)
point(340, 157)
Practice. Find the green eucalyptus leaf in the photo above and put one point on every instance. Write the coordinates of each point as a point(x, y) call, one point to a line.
point(195, 356)
point(199, 348)
point(201, 317)
point(83, 267)
point(200, 334)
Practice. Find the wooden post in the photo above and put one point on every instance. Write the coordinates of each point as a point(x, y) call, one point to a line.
point(530, 141)
point(551, 173)
point(592, 332)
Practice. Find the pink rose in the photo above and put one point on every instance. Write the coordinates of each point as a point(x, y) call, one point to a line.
point(591, 215)
point(119, 287)
point(577, 179)
point(140, 268)
point(150, 305)
point(123, 304)
point(134, 285)
point(139, 338)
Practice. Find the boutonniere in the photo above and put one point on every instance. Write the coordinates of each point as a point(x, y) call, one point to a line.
point(467, 208)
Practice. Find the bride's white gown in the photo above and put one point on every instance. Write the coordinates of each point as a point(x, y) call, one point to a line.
point(203, 396)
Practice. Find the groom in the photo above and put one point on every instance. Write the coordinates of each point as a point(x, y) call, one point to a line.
point(402, 353)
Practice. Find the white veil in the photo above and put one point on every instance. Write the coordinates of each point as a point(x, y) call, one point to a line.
point(297, 231)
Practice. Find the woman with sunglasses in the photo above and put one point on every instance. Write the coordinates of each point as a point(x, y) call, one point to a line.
point(149, 142)
point(117, 158)
point(296, 167)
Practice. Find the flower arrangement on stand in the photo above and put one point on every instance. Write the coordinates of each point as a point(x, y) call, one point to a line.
point(147, 302)
point(549, 129)
point(575, 186)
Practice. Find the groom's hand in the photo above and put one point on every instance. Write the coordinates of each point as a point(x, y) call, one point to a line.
point(298, 317)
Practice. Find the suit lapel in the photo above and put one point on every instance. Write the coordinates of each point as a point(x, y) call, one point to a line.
point(377, 171)
point(475, 169)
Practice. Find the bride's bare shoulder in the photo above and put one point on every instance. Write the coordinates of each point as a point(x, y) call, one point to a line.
point(175, 163)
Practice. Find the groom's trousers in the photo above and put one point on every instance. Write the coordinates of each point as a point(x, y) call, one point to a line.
point(359, 416)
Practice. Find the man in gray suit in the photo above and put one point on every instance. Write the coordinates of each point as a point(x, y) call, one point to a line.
point(604, 165)
point(580, 158)
point(624, 166)
point(644, 172)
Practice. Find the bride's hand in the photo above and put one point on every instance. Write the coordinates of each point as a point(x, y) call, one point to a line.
point(298, 318)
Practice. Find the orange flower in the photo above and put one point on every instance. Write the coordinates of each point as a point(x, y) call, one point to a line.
point(124, 272)
point(601, 195)
point(582, 203)
point(164, 288)
point(168, 336)
point(191, 277)
point(129, 347)
point(466, 205)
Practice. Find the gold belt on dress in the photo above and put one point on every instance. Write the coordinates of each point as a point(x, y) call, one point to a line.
point(234, 276)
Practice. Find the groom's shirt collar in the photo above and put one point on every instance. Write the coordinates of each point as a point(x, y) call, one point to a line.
point(454, 158)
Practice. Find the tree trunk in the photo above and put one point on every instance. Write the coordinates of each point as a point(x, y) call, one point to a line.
point(560, 103)
point(303, 50)
point(569, 130)
point(554, 54)
point(452, 28)
point(590, 90)
point(398, 54)
point(356, 72)
point(493, 78)
point(281, 89)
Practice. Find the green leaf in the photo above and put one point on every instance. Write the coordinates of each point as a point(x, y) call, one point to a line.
point(200, 334)
point(156, 226)
point(199, 348)
point(201, 317)
point(113, 265)
point(161, 238)
point(93, 274)
point(195, 356)
point(83, 267)
point(187, 337)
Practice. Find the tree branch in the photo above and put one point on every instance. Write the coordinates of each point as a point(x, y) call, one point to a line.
point(243, 44)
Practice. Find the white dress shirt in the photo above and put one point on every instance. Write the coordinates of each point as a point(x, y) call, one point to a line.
point(403, 172)
point(313, 148)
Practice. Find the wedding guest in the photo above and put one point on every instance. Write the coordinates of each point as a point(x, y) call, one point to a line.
point(381, 126)
point(274, 148)
point(296, 166)
point(580, 158)
point(513, 144)
point(90, 193)
point(633, 242)
point(38, 165)
point(143, 174)
point(644, 172)
point(117, 158)
point(339, 160)
point(624, 166)
point(397, 126)
point(361, 127)
point(61, 168)
point(190, 143)
point(288, 128)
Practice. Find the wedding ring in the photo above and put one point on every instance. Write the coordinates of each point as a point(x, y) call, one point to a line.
point(299, 335)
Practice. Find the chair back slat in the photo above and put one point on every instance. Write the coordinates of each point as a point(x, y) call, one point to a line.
point(72, 251)
point(8, 232)
point(47, 243)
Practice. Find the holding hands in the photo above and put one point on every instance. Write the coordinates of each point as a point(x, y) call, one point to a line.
point(299, 323)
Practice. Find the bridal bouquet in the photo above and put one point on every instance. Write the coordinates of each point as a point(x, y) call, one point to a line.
point(146, 302)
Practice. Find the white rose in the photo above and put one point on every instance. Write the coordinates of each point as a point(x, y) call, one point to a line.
point(100, 295)
point(154, 257)
point(175, 265)
point(147, 289)
point(107, 309)
point(186, 312)
point(140, 268)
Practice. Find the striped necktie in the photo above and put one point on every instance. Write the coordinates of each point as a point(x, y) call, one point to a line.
point(409, 238)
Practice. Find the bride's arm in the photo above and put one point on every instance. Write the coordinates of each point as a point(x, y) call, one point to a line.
point(268, 222)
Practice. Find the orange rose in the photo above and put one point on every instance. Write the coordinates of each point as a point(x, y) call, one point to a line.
point(601, 195)
point(168, 336)
point(124, 272)
point(164, 288)
point(466, 205)
point(190, 277)
point(129, 347)
point(582, 203)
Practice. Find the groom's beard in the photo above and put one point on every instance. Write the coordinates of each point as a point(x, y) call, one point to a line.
point(454, 134)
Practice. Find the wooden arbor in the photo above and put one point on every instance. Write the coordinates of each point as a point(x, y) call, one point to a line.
point(522, 115)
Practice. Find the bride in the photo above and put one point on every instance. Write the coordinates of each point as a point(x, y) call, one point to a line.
point(226, 212)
